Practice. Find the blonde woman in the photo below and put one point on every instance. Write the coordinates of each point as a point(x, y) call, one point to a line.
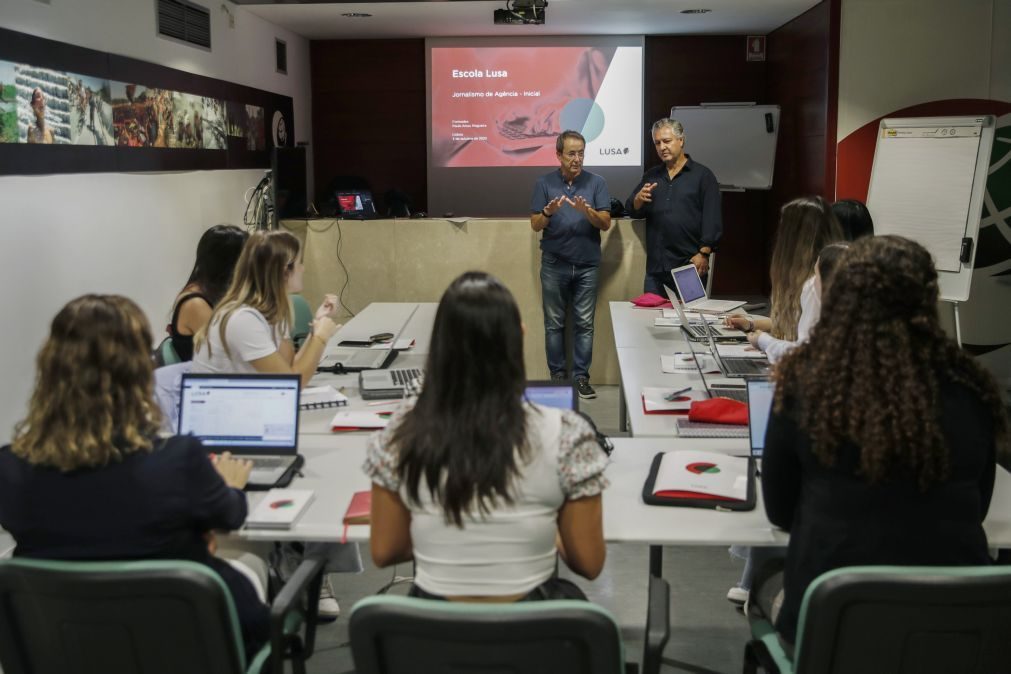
point(86, 476)
point(249, 329)
point(806, 226)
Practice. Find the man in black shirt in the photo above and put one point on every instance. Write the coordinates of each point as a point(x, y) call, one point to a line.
point(680, 200)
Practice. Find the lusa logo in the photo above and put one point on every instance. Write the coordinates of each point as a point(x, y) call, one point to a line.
point(611, 151)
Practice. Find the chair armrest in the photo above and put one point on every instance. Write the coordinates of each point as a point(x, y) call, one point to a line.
point(305, 582)
point(657, 624)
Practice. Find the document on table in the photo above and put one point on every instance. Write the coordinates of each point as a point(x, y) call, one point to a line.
point(682, 362)
point(739, 351)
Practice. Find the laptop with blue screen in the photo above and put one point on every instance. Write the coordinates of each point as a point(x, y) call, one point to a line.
point(253, 416)
point(760, 395)
point(558, 394)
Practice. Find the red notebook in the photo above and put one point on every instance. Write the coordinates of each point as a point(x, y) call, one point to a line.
point(358, 511)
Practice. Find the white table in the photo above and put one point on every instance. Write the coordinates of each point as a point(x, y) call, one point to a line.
point(333, 470)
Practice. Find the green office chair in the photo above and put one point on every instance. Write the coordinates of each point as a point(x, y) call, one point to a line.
point(156, 617)
point(301, 319)
point(902, 619)
point(165, 354)
point(405, 635)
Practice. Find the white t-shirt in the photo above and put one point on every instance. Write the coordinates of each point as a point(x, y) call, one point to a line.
point(249, 338)
point(810, 312)
point(511, 550)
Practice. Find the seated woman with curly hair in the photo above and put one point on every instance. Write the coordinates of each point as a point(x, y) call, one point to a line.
point(87, 478)
point(882, 441)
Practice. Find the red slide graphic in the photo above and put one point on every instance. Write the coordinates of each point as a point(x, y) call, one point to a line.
point(504, 106)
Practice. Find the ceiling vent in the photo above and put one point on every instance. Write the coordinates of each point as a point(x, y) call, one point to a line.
point(181, 20)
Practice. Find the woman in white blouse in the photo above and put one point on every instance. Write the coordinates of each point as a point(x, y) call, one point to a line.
point(483, 489)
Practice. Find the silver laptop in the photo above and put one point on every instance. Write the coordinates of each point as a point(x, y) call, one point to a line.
point(693, 293)
point(694, 330)
point(356, 359)
point(760, 395)
point(736, 392)
point(389, 384)
point(253, 416)
point(737, 367)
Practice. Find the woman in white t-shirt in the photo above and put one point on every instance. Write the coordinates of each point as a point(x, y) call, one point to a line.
point(249, 330)
point(480, 487)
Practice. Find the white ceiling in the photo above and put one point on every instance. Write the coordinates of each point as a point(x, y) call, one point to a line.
point(564, 17)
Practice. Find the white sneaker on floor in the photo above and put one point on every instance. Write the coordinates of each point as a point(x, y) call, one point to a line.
point(737, 595)
point(329, 609)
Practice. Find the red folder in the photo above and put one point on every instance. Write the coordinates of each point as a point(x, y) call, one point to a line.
point(359, 511)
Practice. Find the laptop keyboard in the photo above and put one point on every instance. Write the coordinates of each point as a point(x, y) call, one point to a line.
point(404, 376)
point(746, 366)
point(268, 462)
point(739, 394)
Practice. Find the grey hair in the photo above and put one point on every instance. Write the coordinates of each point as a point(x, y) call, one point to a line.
point(568, 134)
point(675, 126)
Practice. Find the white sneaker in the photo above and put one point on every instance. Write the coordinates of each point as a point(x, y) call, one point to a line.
point(737, 595)
point(329, 609)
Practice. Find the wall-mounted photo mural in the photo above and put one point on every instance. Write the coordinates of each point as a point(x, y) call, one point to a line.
point(149, 107)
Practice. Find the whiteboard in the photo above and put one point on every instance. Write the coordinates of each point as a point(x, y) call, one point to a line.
point(734, 141)
point(927, 184)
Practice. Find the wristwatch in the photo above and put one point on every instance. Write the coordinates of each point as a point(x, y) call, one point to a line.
point(705, 253)
point(545, 213)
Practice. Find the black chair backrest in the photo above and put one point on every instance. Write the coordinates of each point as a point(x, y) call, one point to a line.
point(101, 618)
point(399, 635)
point(908, 620)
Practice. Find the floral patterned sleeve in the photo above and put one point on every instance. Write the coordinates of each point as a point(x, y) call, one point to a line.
point(581, 461)
point(380, 457)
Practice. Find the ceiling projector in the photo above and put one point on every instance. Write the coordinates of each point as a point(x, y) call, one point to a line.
point(522, 12)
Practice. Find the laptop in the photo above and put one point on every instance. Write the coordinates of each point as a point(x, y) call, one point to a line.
point(733, 366)
point(693, 329)
point(388, 384)
point(693, 293)
point(357, 359)
point(560, 394)
point(253, 416)
point(760, 395)
point(356, 204)
point(736, 392)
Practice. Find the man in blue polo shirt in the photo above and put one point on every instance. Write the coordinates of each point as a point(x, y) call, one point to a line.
point(571, 207)
point(680, 200)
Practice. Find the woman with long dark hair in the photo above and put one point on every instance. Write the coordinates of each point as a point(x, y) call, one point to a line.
point(882, 441)
point(482, 488)
point(87, 477)
point(217, 253)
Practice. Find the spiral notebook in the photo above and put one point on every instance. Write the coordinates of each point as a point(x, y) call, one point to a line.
point(318, 397)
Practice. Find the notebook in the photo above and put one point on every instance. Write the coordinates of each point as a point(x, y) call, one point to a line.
point(351, 359)
point(693, 293)
point(318, 397)
point(279, 509)
point(700, 479)
point(359, 511)
point(253, 416)
point(760, 395)
point(560, 394)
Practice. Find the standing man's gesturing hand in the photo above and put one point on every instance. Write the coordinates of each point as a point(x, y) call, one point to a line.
point(645, 195)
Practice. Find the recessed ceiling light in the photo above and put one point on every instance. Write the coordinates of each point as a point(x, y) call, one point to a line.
point(695, 11)
point(356, 15)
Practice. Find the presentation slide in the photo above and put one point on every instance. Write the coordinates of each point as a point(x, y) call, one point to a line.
point(497, 106)
point(504, 106)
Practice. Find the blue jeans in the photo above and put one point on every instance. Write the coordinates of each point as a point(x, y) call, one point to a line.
point(564, 284)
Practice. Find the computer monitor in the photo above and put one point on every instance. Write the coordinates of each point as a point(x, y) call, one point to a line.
point(356, 204)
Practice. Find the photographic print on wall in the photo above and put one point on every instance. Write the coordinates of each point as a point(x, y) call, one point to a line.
point(90, 110)
point(43, 105)
point(8, 104)
point(96, 111)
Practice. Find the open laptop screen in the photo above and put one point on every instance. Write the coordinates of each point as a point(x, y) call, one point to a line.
point(246, 413)
point(356, 204)
point(552, 394)
point(760, 394)
point(688, 283)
